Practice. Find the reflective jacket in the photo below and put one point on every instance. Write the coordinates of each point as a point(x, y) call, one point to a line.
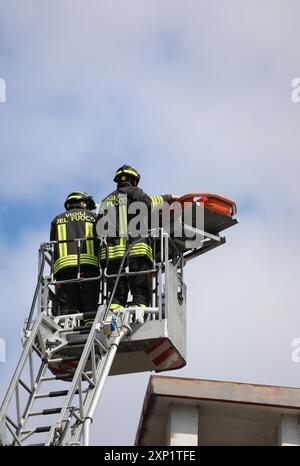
point(74, 224)
point(120, 201)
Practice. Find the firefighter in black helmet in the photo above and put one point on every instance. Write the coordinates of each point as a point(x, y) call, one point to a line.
point(77, 222)
point(140, 256)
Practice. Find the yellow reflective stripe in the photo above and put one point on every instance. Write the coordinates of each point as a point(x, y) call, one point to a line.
point(62, 235)
point(123, 224)
point(74, 197)
point(114, 249)
point(71, 261)
point(144, 254)
point(59, 266)
point(83, 255)
point(114, 256)
point(65, 245)
point(130, 172)
point(116, 306)
point(136, 253)
point(141, 245)
point(73, 257)
point(153, 200)
point(141, 249)
point(119, 251)
point(89, 234)
point(156, 201)
point(88, 322)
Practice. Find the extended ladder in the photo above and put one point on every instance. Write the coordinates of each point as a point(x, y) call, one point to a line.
point(79, 400)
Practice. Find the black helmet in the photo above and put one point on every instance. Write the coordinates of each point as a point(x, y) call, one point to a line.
point(76, 197)
point(126, 172)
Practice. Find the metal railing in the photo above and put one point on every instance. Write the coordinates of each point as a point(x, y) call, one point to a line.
point(164, 250)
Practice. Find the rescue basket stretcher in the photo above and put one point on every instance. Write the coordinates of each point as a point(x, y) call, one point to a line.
point(218, 211)
point(195, 222)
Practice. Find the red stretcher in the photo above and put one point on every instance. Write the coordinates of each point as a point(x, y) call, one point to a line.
point(216, 213)
point(211, 201)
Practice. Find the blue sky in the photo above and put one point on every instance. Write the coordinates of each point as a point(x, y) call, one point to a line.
point(197, 96)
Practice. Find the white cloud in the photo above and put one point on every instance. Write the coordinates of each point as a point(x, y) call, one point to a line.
point(197, 97)
point(197, 85)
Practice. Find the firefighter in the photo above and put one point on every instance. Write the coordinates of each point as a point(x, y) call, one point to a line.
point(140, 256)
point(77, 222)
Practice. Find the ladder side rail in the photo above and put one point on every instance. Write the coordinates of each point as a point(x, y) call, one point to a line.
point(32, 397)
point(44, 296)
point(153, 273)
point(160, 275)
point(166, 266)
point(97, 392)
point(17, 374)
point(36, 292)
point(78, 251)
point(72, 434)
point(40, 260)
point(154, 277)
point(84, 357)
point(76, 379)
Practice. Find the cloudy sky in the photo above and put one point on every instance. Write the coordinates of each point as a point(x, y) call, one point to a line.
point(197, 96)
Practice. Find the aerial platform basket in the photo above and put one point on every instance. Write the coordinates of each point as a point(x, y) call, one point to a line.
point(156, 342)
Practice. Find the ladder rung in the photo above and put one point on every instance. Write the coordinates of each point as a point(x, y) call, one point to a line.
point(36, 445)
point(45, 412)
point(36, 430)
point(54, 377)
point(55, 394)
point(59, 393)
point(51, 411)
point(39, 430)
point(56, 360)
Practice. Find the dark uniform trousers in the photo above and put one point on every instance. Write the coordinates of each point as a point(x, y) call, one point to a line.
point(77, 297)
point(139, 285)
